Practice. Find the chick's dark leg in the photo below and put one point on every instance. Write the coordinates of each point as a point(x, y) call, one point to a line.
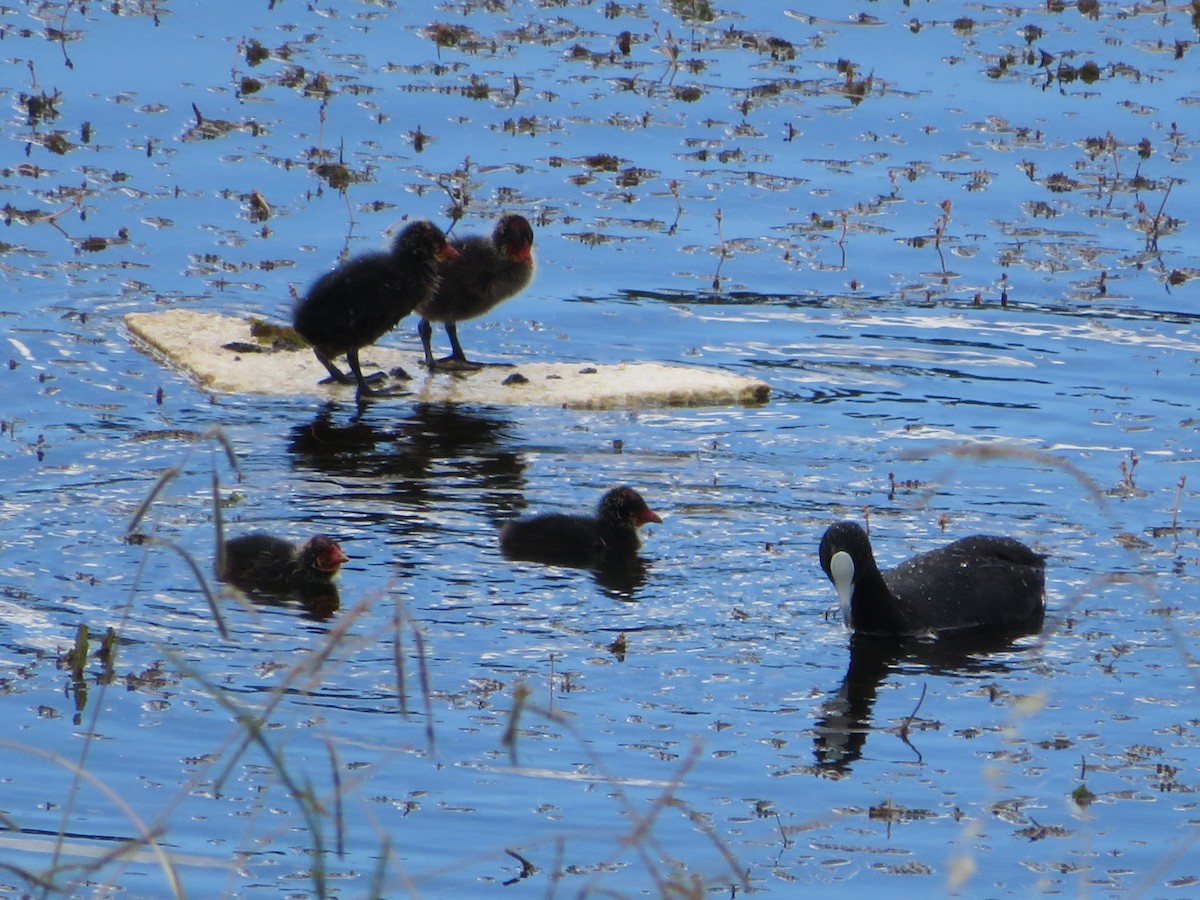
point(457, 360)
point(456, 350)
point(364, 389)
point(335, 374)
point(425, 330)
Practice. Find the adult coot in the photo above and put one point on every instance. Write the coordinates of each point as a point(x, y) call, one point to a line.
point(486, 271)
point(581, 540)
point(363, 299)
point(264, 562)
point(977, 582)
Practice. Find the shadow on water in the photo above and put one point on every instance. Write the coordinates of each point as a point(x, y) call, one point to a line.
point(619, 575)
point(620, 579)
point(437, 453)
point(845, 722)
point(438, 447)
point(317, 602)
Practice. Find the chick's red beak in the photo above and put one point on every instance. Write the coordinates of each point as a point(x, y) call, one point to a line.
point(648, 515)
point(332, 559)
point(521, 253)
point(447, 252)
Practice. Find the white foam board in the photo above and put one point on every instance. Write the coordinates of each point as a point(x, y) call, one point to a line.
point(220, 353)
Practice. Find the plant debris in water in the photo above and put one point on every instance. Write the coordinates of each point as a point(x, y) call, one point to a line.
point(930, 226)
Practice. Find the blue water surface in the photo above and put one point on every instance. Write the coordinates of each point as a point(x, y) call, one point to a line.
point(954, 238)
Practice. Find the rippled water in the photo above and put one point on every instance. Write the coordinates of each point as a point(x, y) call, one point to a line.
point(960, 254)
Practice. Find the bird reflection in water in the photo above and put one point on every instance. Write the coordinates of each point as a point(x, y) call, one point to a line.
point(845, 720)
point(619, 575)
point(440, 453)
point(317, 603)
point(438, 448)
point(620, 578)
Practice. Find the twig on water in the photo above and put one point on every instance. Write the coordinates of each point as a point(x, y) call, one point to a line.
point(457, 186)
point(909, 719)
point(787, 841)
point(512, 727)
point(844, 215)
point(673, 187)
point(939, 230)
point(1178, 501)
point(716, 283)
point(1154, 225)
point(527, 868)
point(671, 50)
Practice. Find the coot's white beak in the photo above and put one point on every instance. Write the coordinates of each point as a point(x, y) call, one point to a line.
point(841, 568)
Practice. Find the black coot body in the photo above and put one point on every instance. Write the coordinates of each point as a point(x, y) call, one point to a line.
point(263, 562)
point(581, 540)
point(364, 298)
point(978, 582)
point(486, 271)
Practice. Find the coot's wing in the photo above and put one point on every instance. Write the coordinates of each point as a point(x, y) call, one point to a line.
point(977, 582)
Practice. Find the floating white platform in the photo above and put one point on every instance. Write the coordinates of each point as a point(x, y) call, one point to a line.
point(221, 354)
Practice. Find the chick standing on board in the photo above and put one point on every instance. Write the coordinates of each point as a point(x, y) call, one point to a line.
point(581, 540)
point(363, 299)
point(486, 271)
point(977, 582)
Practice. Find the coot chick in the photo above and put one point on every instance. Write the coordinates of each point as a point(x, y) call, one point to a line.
point(362, 299)
point(581, 540)
point(487, 270)
point(263, 562)
point(980, 581)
